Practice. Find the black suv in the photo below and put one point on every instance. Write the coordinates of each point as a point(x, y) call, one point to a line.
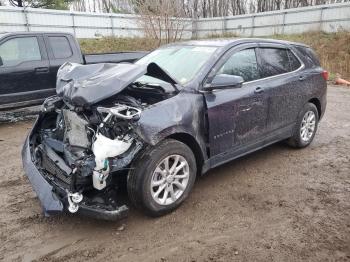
point(176, 113)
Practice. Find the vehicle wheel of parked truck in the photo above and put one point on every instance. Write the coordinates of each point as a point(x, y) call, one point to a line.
point(306, 127)
point(161, 178)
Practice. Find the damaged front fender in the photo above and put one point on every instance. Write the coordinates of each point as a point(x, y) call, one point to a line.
point(183, 113)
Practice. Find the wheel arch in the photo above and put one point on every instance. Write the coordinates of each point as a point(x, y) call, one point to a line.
point(192, 143)
point(317, 103)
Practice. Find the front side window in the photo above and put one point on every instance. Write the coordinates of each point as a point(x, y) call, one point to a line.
point(60, 47)
point(18, 50)
point(242, 63)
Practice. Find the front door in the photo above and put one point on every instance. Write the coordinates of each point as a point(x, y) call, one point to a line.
point(237, 116)
point(24, 72)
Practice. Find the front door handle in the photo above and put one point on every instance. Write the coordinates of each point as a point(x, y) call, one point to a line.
point(246, 109)
point(41, 70)
point(258, 90)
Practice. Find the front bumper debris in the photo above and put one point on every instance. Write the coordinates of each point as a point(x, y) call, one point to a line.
point(54, 199)
point(49, 200)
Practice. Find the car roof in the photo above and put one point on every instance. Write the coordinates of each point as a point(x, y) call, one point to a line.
point(227, 42)
point(31, 32)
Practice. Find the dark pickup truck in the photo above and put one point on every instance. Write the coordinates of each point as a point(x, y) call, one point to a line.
point(29, 62)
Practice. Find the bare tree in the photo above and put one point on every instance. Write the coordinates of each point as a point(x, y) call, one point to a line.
point(162, 20)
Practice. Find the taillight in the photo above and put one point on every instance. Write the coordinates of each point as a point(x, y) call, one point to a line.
point(325, 75)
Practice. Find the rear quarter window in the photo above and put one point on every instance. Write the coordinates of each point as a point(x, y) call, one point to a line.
point(60, 47)
point(294, 62)
point(308, 56)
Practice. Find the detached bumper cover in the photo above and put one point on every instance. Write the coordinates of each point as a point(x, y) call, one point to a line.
point(51, 203)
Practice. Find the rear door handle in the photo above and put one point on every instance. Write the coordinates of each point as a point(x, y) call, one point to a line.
point(301, 78)
point(41, 70)
point(258, 90)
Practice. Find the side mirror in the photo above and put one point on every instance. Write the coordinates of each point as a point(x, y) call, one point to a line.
point(1, 62)
point(224, 81)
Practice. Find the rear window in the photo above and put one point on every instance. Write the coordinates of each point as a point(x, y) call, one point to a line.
point(60, 47)
point(309, 56)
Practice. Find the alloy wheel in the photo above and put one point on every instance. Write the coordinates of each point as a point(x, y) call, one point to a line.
point(170, 179)
point(308, 126)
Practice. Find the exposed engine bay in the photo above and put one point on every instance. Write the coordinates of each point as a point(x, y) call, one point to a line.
point(83, 149)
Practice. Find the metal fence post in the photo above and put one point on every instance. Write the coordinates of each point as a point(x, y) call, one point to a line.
point(284, 22)
point(194, 29)
point(224, 26)
point(253, 25)
point(26, 19)
point(321, 17)
point(112, 25)
point(73, 24)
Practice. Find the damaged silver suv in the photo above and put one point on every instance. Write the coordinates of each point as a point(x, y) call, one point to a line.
point(156, 124)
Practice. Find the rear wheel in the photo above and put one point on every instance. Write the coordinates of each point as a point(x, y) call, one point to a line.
point(306, 127)
point(162, 177)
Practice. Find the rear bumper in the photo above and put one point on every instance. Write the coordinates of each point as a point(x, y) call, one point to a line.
point(54, 198)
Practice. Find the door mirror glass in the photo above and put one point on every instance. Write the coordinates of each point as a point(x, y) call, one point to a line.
point(223, 81)
point(1, 63)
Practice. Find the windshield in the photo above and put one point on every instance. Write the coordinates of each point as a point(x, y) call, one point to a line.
point(181, 62)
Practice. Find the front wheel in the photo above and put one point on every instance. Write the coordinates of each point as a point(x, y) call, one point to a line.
point(306, 127)
point(162, 177)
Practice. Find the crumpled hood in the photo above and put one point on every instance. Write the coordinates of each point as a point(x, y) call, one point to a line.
point(83, 85)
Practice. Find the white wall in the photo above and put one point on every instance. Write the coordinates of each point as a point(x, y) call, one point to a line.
point(328, 18)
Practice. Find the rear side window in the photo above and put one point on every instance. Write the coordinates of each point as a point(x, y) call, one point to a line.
point(274, 61)
point(309, 56)
point(242, 63)
point(18, 50)
point(60, 47)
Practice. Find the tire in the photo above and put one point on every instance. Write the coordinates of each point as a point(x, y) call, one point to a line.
point(300, 139)
point(149, 169)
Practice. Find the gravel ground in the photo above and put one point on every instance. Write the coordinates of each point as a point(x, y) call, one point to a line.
point(278, 204)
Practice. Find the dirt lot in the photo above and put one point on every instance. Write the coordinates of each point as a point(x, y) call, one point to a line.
point(277, 204)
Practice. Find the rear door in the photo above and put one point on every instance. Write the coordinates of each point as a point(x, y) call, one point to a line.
point(61, 48)
point(283, 83)
point(236, 116)
point(24, 74)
